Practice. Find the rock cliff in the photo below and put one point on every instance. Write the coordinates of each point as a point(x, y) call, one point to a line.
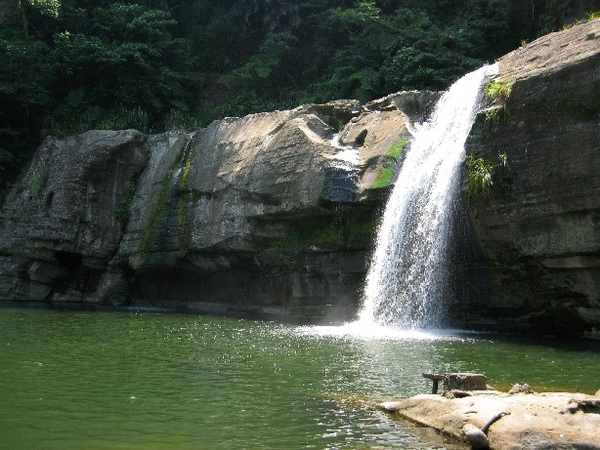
point(538, 224)
point(270, 213)
point(274, 213)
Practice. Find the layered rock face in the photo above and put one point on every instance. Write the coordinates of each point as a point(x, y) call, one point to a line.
point(270, 213)
point(60, 225)
point(275, 213)
point(539, 223)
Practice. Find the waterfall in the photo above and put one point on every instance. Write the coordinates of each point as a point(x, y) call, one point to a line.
point(408, 277)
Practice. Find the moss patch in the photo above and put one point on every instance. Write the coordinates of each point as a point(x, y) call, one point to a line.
point(396, 150)
point(39, 179)
point(123, 211)
point(386, 175)
point(316, 231)
point(170, 187)
point(384, 178)
point(333, 231)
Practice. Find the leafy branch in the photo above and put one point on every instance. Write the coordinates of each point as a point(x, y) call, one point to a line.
point(482, 174)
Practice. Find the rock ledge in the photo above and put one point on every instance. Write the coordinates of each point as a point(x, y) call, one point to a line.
point(556, 420)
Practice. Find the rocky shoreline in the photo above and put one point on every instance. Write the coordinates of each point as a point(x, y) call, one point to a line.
point(519, 419)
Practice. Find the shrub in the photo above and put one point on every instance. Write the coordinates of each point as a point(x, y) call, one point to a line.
point(497, 91)
point(482, 174)
point(126, 118)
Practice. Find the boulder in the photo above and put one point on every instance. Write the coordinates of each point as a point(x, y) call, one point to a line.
point(519, 388)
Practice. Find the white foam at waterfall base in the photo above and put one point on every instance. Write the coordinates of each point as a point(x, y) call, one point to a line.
point(406, 285)
point(356, 331)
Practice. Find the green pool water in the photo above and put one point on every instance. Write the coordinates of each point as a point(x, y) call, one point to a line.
point(149, 380)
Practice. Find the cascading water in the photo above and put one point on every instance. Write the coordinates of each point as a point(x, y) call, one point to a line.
point(407, 278)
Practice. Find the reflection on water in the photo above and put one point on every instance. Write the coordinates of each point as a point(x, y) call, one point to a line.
point(157, 380)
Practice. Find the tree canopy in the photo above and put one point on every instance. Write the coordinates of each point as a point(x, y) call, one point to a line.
point(71, 65)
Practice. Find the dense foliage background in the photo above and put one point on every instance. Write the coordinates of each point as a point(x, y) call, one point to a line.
point(71, 65)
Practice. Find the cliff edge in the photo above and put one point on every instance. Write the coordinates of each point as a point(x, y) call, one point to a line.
point(537, 222)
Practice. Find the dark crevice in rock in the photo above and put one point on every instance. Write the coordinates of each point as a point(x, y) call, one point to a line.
point(69, 260)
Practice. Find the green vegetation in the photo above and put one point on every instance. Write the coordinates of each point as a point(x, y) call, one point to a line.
point(39, 179)
point(496, 95)
point(386, 175)
point(397, 148)
point(336, 230)
point(67, 66)
point(173, 185)
point(318, 233)
point(591, 15)
point(482, 173)
point(493, 115)
point(480, 176)
point(122, 259)
point(185, 196)
point(158, 215)
point(497, 91)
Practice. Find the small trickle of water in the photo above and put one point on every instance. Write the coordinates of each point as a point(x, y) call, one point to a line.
point(347, 157)
point(342, 172)
point(407, 278)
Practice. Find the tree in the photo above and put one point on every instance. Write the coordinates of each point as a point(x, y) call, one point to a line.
point(71, 65)
point(67, 66)
point(273, 14)
point(122, 62)
point(25, 94)
point(48, 7)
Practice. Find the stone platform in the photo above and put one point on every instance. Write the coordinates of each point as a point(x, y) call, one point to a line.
point(549, 421)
